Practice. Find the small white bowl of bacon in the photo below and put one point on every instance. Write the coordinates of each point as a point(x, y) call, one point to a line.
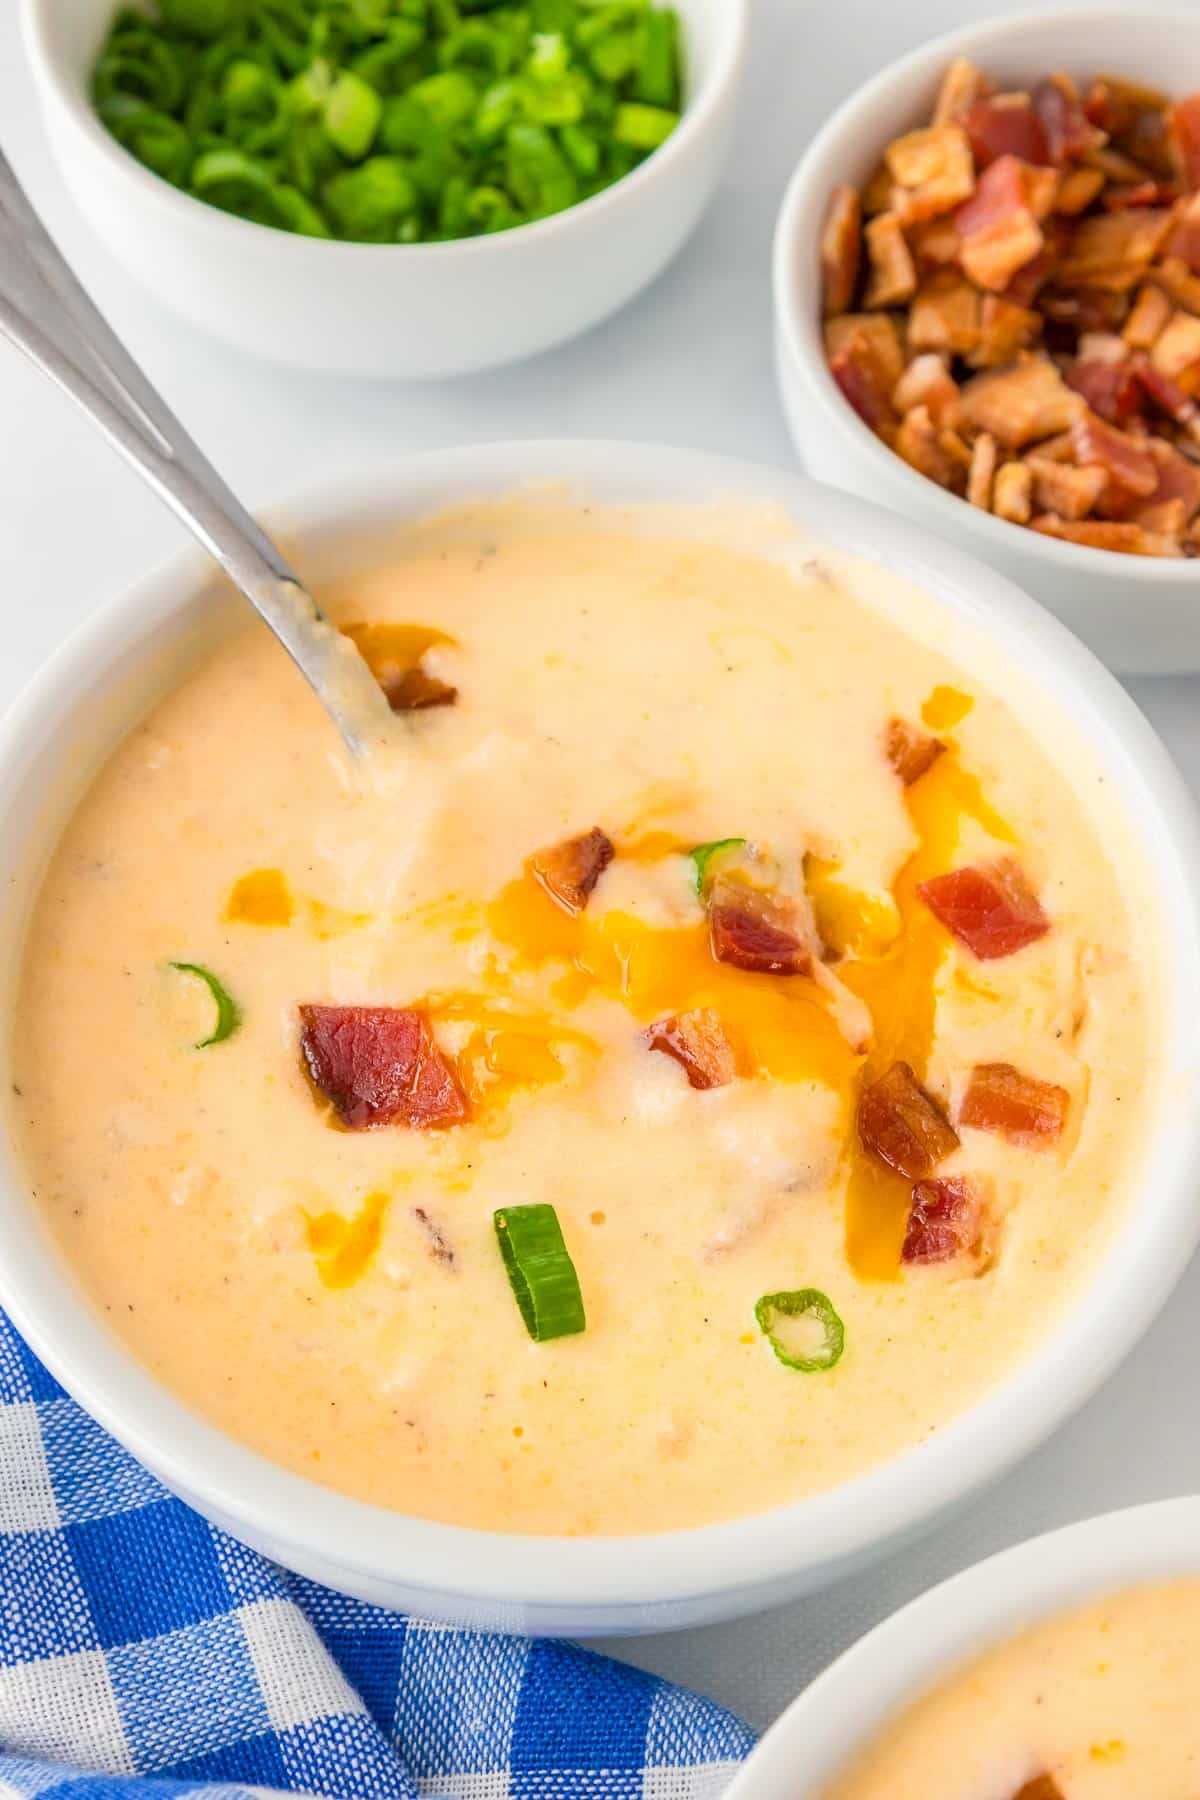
point(987, 295)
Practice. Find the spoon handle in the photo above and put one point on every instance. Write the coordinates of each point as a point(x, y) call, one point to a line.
point(48, 315)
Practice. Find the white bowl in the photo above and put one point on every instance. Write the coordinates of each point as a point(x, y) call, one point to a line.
point(1140, 614)
point(934, 1636)
point(122, 659)
point(387, 309)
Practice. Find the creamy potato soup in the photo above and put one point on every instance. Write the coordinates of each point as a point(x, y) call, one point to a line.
point(1098, 1704)
point(701, 1061)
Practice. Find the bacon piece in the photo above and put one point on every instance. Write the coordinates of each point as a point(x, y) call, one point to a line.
point(569, 871)
point(1025, 1111)
point(1176, 352)
point(933, 170)
point(1062, 489)
point(882, 340)
point(379, 1065)
point(902, 1125)
point(1151, 310)
point(1178, 480)
point(944, 316)
point(893, 273)
point(1177, 282)
point(1077, 188)
point(1109, 386)
point(856, 375)
point(1112, 251)
point(999, 223)
point(1068, 130)
point(1012, 493)
point(1106, 534)
point(1183, 132)
point(1022, 404)
point(877, 192)
point(1032, 276)
point(945, 1221)
point(1005, 125)
point(992, 910)
point(1169, 397)
point(696, 1040)
point(1132, 115)
point(910, 750)
point(982, 473)
point(753, 930)
point(1084, 309)
point(962, 85)
point(934, 245)
point(1140, 193)
point(923, 447)
point(1127, 462)
point(1184, 241)
point(1004, 331)
point(840, 250)
point(927, 382)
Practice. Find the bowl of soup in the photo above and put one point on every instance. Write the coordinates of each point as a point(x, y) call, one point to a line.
point(1063, 1669)
point(717, 1089)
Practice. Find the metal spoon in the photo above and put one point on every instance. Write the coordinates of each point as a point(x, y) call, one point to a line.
point(47, 314)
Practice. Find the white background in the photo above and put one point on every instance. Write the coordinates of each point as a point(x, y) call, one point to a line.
point(689, 363)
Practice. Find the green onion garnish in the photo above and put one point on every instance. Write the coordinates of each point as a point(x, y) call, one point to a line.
point(229, 1015)
point(391, 121)
point(703, 854)
point(540, 1270)
point(802, 1328)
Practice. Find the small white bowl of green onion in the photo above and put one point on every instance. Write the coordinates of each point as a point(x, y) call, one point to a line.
point(403, 187)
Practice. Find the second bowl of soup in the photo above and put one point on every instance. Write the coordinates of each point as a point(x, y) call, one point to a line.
point(710, 1094)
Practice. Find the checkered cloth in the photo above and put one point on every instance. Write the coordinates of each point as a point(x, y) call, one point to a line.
point(146, 1656)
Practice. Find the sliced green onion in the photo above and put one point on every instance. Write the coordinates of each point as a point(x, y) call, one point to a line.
point(229, 1015)
point(803, 1348)
point(703, 854)
point(352, 113)
point(540, 1271)
point(644, 127)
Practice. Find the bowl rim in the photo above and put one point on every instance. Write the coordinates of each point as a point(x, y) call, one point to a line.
point(739, 1562)
point(799, 333)
point(733, 18)
point(943, 1629)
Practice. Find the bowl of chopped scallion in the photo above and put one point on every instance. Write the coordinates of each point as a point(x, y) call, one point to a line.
point(408, 187)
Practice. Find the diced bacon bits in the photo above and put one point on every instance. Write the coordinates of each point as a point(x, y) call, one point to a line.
point(992, 910)
point(757, 931)
point(569, 871)
point(945, 1221)
point(696, 1040)
point(1026, 273)
point(902, 1125)
point(1025, 1111)
point(911, 751)
point(380, 1065)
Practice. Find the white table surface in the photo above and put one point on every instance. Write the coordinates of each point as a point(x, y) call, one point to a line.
point(689, 362)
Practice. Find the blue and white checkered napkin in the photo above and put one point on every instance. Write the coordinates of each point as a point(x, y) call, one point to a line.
point(146, 1656)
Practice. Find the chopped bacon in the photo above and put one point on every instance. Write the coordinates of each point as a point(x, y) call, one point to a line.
point(1169, 397)
point(893, 273)
point(1176, 352)
point(1004, 331)
point(379, 1065)
point(934, 245)
point(1183, 128)
point(856, 375)
point(1005, 125)
point(1032, 276)
point(933, 170)
point(1176, 280)
point(1178, 479)
point(1127, 462)
point(1116, 105)
point(1060, 488)
point(1109, 386)
point(1086, 309)
point(1022, 404)
point(1026, 1111)
point(1012, 493)
point(840, 250)
point(911, 751)
point(962, 85)
point(992, 910)
point(1184, 241)
point(569, 871)
point(881, 341)
point(902, 1125)
point(1105, 534)
point(944, 316)
point(1077, 188)
point(927, 450)
point(753, 930)
point(1141, 193)
point(999, 223)
point(982, 474)
point(696, 1040)
point(1067, 128)
point(1151, 310)
point(1112, 251)
point(945, 1220)
point(927, 382)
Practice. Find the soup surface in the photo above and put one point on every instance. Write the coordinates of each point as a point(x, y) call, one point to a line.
point(835, 1119)
point(1098, 1704)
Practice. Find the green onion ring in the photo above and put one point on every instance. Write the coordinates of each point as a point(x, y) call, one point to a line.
point(702, 854)
point(229, 1015)
point(540, 1271)
point(801, 1303)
